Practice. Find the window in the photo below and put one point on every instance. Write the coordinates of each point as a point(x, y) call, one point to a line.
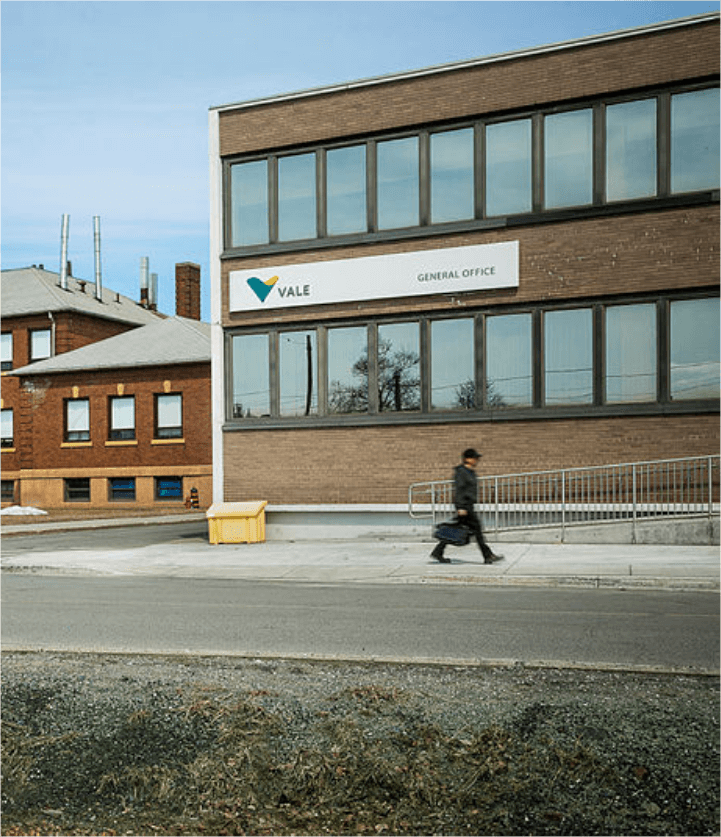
point(346, 190)
point(169, 416)
point(168, 488)
point(453, 380)
point(122, 488)
point(6, 351)
point(122, 418)
point(452, 186)
point(694, 342)
point(77, 420)
point(630, 353)
point(8, 491)
point(398, 183)
point(568, 357)
point(509, 368)
point(6, 428)
point(399, 357)
point(296, 197)
point(298, 373)
point(251, 382)
point(631, 150)
point(568, 179)
point(695, 141)
point(40, 344)
point(348, 370)
point(77, 490)
point(249, 190)
point(509, 181)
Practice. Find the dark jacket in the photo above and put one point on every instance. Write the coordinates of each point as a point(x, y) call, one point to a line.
point(465, 488)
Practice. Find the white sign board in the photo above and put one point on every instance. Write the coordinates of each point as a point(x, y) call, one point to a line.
point(447, 271)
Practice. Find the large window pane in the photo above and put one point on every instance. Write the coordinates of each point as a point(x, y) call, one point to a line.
point(348, 370)
point(631, 150)
point(452, 176)
point(6, 428)
point(509, 371)
point(508, 168)
point(40, 344)
point(6, 351)
point(569, 159)
point(568, 357)
point(122, 418)
point(346, 190)
point(695, 141)
point(399, 380)
point(169, 416)
point(296, 197)
point(298, 373)
point(251, 375)
point(630, 353)
point(695, 349)
point(249, 203)
point(78, 420)
point(397, 195)
point(453, 384)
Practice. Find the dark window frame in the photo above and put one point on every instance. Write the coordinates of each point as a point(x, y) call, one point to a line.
point(118, 493)
point(121, 434)
point(164, 498)
point(167, 432)
point(8, 442)
point(77, 490)
point(7, 365)
point(70, 436)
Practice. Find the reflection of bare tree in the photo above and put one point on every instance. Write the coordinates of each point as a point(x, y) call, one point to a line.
point(466, 396)
point(399, 384)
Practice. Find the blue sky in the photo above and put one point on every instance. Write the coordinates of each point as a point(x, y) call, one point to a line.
point(105, 104)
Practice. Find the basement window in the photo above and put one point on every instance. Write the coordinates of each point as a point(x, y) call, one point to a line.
point(77, 490)
point(122, 488)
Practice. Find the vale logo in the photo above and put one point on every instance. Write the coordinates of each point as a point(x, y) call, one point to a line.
point(260, 288)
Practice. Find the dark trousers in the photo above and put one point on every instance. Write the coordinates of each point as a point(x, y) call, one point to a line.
point(473, 522)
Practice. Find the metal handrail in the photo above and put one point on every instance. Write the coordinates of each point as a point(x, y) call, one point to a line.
point(633, 491)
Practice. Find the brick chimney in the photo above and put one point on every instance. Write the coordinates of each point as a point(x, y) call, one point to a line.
point(187, 290)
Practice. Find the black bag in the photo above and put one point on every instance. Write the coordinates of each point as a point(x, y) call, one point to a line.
point(452, 532)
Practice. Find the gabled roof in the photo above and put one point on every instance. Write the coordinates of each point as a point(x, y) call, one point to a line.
point(33, 290)
point(165, 342)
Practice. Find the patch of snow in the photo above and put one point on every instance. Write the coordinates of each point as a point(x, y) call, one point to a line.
point(20, 510)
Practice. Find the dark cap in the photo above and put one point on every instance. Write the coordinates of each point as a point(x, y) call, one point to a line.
point(471, 453)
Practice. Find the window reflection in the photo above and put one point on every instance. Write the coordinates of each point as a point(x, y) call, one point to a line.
point(630, 353)
point(399, 380)
point(695, 349)
point(251, 391)
point(249, 202)
point(509, 373)
point(569, 158)
point(298, 373)
point(508, 168)
point(296, 197)
point(631, 150)
point(568, 357)
point(397, 199)
point(695, 141)
point(452, 176)
point(348, 370)
point(346, 190)
point(452, 365)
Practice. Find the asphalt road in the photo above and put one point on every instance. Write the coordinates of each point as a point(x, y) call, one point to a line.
point(629, 629)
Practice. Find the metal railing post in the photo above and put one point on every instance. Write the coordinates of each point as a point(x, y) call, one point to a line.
point(633, 525)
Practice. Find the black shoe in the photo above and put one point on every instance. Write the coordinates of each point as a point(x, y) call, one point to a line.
point(491, 559)
point(438, 555)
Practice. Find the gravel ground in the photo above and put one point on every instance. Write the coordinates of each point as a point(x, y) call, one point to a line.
point(103, 744)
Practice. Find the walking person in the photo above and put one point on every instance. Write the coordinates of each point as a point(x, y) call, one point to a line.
point(465, 493)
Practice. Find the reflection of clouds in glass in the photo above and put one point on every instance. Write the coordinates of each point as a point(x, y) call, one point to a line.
point(631, 150)
point(631, 353)
point(508, 360)
point(251, 390)
point(695, 349)
point(452, 175)
point(249, 197)
point(452, 362)
point(695, 141)
point(508, 167)
point(568, 357)
point(569, 158)
point(346, 190)
point(296, 197)
point(397, 167)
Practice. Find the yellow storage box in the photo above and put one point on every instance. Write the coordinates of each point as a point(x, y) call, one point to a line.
point(237, 522)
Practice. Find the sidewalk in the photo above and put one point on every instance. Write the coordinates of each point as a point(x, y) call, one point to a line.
point(378, 561)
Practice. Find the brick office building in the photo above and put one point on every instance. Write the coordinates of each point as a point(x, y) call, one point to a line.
point(518, 253)
point(106, 403)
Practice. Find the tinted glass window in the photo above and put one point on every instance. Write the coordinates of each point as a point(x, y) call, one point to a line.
point(631, 150)
point(346, 190)
point(695, 141)
point(298, 373)
point(695, 349)
point(251, 388)
point(568, 357)
point(399, 359)
point(630, 353)
point(508, 168)
point(509, 371)
point(452, 176)
point(569, 159)
point(397, 196)
point(348, 370)
point(249, 203)
point(296, 197)
point(453, 383)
